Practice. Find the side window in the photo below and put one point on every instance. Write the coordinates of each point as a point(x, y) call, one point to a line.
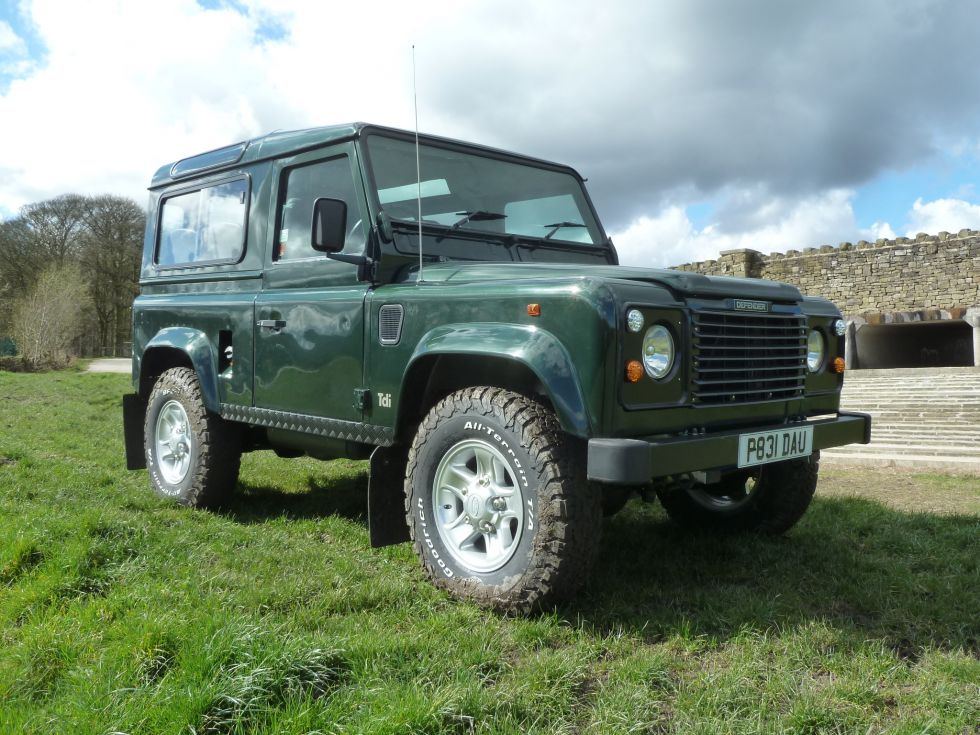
point(302, 186)
point(207, 225)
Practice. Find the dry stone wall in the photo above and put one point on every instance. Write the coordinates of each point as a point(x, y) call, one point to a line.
point(931, 273)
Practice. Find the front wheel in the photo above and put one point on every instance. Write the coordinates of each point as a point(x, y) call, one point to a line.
point(497, 501)
point(192, 455)
point(768, 499)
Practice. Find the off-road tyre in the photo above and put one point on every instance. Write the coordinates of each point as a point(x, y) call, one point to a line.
point(562, 521)
point(781, 495)
point(214, 455)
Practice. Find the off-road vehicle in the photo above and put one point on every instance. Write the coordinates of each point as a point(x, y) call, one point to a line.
point(457, 314)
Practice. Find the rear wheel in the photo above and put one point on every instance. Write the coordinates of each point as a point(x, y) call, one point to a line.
point(193, 456)
point(497, 501)
point(768, 499)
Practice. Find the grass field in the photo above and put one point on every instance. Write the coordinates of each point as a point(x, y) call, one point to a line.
point(122, 613)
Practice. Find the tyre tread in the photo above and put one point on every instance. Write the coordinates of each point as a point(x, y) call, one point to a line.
point(567, 510)
point(219, 453)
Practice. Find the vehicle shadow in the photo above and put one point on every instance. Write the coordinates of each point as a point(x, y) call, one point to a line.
point(909, 579)
point(345, 497)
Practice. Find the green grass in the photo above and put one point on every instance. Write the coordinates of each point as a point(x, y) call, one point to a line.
point(122, 613)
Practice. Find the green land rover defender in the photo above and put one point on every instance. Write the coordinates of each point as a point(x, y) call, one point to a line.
point(457, 314)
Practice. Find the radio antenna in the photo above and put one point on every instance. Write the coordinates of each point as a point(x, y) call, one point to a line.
point(418, 166)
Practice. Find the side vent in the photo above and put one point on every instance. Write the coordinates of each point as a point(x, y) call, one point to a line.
point(390, 323)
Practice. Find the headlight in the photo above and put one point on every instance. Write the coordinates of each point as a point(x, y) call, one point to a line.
point(840, 327)
point(658, 351)
point(815, 349)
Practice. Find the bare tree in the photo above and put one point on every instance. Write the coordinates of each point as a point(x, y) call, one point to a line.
point(100, 235)
point(47, 319)
point(43, 234)
point(112, 251)
point(56, 226)
point(17, 264)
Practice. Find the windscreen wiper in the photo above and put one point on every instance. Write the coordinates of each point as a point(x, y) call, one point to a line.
point(555, 226)
point(479, 215)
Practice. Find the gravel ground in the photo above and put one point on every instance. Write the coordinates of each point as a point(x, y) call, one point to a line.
point(111, 365)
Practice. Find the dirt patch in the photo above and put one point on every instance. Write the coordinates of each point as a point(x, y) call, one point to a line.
point(902, 489)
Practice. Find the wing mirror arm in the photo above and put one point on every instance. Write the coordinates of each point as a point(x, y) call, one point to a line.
point(365, 265)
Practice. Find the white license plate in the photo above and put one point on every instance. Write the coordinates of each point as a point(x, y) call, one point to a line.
point(774, 446)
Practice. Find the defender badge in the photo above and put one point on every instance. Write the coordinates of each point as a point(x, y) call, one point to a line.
point(745, 305)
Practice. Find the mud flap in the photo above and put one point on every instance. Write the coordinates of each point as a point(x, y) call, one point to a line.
point(134, 411)
point(386, 496)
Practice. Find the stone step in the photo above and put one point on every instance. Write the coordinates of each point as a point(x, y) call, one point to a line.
point(883, 430)
point(900, 447)
point(883, 434)
point(915, 397)
point(912, 462)
point(911, 395)
point(921, 419)
point(925, 427)
point(931, 415)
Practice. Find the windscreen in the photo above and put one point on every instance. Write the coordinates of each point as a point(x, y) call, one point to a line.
point(468, 191)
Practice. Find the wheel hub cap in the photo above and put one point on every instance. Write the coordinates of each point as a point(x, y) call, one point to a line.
point(173, 442)
point(478, 506)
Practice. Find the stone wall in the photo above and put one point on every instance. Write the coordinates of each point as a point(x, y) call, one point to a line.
point(932, 273)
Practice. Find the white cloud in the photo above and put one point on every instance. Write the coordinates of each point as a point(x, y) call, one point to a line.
point(770, 224)
point(717, 102)
point(147, 84)
point(10, 42)
point(880, 230)
point(950, 215)
point(752, 219)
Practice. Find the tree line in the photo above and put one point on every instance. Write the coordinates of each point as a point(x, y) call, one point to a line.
point(69, 270)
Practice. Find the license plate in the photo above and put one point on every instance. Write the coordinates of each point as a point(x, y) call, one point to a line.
point(774, 446)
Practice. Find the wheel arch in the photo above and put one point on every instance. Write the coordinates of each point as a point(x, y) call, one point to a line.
point(520, 358)
point(180, 347)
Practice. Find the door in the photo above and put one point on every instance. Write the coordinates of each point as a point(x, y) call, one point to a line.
point(309, 317)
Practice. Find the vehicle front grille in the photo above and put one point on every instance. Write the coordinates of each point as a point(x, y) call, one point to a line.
point(743, 358)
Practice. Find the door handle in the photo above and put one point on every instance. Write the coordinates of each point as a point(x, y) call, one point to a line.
point(274, 324)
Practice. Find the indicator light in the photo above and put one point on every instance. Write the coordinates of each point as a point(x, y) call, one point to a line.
point(634, 371)
point(839, 365)
point(534, 309)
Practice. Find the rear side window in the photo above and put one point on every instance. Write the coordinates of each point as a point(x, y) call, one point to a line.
point(203, 226)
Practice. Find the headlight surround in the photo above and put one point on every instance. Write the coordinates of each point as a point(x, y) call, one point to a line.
point(658, 351)
point(816, 350)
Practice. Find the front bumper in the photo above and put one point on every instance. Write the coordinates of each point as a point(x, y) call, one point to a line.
point(638, 461)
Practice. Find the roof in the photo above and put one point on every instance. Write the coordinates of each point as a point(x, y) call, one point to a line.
point(285, 142)
point(267, 146)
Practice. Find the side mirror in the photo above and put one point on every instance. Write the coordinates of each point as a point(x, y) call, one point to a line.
point(329, 225)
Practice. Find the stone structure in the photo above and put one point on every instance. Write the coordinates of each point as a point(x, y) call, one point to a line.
point(932, 280)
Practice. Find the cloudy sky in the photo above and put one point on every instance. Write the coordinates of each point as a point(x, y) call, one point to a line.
point(701, 125)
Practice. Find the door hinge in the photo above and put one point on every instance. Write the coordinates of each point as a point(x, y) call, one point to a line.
point(362, 399)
